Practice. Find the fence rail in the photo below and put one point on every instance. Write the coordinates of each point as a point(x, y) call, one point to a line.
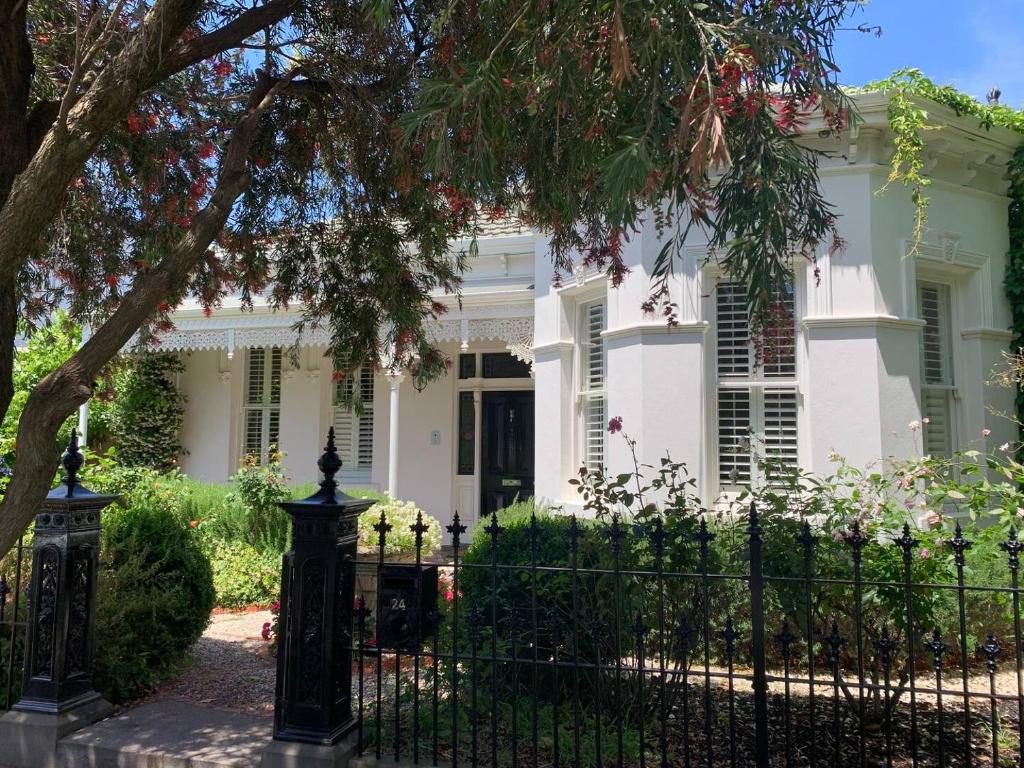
point(612, 653)
point(15, 572)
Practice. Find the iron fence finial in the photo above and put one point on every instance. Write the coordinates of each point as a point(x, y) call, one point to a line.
point(72, 460)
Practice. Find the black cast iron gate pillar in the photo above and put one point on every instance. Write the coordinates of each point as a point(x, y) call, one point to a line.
point(65, 559)
point(313, 700)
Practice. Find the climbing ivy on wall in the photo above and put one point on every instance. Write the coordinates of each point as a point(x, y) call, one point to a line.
point(146, 414)
point(908, 122)
point(1014, 281)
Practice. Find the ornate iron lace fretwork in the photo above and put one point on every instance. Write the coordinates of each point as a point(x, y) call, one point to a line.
point(311, 663)
point(78, 619)
point(46, 616)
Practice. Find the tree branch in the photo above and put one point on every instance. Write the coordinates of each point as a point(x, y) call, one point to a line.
point(39, 189)
point(229, 36)
point(40, 120)
point(58, 395)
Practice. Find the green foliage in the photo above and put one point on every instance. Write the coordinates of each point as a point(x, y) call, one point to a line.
point(400, 540)
point(244, 575)
point(147, 410)
point(251, 512)
point(155, 591)
point(1013, 282)
point(48, 347)
point(585, 116)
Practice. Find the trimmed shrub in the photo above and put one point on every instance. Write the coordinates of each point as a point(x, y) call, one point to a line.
point(400, 540)
point(244, 575)
point(154, 601)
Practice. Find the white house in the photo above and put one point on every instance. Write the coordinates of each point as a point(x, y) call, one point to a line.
point(890, 334)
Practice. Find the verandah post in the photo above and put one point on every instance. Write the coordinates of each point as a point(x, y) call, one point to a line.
point(760, 681)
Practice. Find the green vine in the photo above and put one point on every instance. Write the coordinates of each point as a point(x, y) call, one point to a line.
point(908, 121)
point(1013, 283)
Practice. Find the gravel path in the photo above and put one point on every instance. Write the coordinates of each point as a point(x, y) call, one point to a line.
point(231, 667)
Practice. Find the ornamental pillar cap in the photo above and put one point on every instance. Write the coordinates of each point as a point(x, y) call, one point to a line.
point(70, 489)
point(329, 498)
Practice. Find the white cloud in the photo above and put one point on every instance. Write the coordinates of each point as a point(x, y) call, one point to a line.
point(998, 32)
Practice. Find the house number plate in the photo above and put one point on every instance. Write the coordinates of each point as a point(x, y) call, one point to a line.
point(511, 482)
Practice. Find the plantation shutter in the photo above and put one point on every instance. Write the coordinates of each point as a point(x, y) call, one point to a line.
point(733, 330)
point(262, 401)
point(937, 384)
point(780, 438)
point(757, 400)
point(593, 374)
point(353, 432)
point(734, 436)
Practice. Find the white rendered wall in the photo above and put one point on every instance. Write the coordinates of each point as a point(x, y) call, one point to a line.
point(207, 425)
point(859, 356)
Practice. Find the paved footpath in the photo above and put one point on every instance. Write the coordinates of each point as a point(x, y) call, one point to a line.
point(217, 713)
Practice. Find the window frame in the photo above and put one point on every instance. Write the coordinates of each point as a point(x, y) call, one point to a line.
point(584, 394)
point(356, 463)
point(267, 405)
point(950, 360)
point(757, 383)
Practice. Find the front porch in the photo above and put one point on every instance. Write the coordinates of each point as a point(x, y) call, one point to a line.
point(464, 442)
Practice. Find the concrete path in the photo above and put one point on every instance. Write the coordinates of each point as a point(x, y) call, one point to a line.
point(216, 714)
point(170, 734)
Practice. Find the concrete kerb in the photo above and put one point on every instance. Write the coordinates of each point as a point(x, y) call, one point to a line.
point(283, 754)
point(32, 739)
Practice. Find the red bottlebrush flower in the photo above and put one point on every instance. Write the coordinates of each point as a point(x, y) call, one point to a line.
point(172, 157)
point(183, 221)
point(615, 425)
point(206, 150)
point(152, 186)
point(163, 306)
point(111, 280)
point(207, 311)
point(152, 121)
point(134, 124)
point(198, 188)
point(222, 68)
point(260, 162)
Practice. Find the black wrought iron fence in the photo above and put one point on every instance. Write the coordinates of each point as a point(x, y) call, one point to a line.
point(587, 643)
point(15, 572)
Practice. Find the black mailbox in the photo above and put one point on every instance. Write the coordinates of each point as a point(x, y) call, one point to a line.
point(406, 599)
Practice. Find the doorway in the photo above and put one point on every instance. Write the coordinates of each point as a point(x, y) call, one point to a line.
point(506, 450)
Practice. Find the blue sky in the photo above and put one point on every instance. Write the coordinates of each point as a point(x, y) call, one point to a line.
point(972, 45)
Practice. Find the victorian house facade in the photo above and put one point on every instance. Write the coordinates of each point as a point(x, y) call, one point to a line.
point(888, 333)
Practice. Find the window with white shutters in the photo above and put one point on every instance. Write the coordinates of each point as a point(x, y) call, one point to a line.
point(757, 399)
point(353, 419)
point(593, 396)
point(937, 385)
point(262, 401)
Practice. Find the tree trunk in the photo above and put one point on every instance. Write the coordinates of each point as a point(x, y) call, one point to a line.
point(58, 395)
point(15, 80)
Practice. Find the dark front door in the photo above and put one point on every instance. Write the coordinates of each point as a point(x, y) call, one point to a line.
point(506, 471)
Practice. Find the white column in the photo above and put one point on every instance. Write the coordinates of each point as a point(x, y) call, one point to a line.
point(478, 454)
point(395, 380)
point(83, 409)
